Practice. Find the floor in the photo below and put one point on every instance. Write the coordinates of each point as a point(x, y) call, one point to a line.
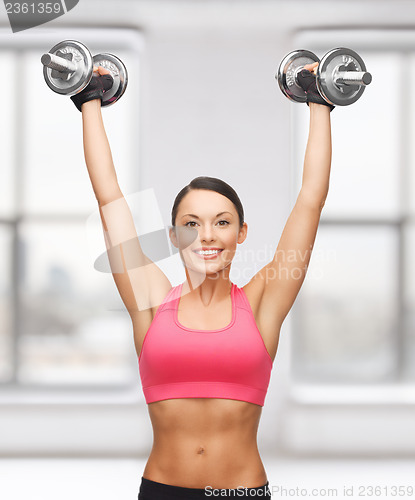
point(119, 479)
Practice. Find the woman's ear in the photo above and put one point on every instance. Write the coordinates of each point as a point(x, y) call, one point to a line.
point(173, 236)
point(243, 232)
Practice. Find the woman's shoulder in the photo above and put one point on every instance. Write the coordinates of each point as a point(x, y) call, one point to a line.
point(253, 291)
point(164, 296)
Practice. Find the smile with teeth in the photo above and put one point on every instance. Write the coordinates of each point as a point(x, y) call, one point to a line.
point(207, 253)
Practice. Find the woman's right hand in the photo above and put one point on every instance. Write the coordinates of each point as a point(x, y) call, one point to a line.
point(101, 81)
point(101, 70)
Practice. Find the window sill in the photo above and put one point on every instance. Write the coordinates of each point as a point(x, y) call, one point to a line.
point(370, 394)
point(127, 396)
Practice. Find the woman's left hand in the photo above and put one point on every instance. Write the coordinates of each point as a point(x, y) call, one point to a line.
point(312, 67)
point(306, 79)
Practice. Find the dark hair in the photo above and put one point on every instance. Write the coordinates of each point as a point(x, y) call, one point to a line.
point(212, 184)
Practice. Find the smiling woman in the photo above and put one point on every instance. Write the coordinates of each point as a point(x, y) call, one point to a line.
point(206, 347)
point(209, 211)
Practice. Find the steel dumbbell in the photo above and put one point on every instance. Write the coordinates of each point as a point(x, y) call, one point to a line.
point(341, 76)
point(68, 68)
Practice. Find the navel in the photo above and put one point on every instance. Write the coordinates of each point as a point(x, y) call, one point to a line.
point(201, 450)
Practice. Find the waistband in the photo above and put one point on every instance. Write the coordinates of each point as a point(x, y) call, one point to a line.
point(163, 491)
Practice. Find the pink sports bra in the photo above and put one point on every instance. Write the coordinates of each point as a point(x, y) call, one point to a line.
point(179, 362)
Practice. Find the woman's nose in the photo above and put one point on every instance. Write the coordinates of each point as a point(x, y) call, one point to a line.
point(206, 233)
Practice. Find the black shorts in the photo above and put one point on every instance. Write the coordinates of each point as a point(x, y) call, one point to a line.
point(152, 490)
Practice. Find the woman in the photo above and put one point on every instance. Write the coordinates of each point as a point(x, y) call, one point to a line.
point(206, 347)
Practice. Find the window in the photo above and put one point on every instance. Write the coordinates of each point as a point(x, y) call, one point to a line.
point(62, 323)
point(354, 319)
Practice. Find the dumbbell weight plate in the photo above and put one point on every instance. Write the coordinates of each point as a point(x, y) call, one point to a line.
point(331, 64)
point(119, 74)
point(287, 73)
point(72, 83)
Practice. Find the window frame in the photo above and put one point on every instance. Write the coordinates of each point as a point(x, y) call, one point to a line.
point(398, 392)
point(11, 392)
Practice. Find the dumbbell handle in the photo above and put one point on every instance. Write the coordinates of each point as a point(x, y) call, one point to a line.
point(59, 63)
point(353, 78)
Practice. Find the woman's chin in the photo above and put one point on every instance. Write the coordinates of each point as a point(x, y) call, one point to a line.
point(204, 267)
point(208, 266)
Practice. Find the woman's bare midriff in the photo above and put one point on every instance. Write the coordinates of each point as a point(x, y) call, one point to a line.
point(201, 442)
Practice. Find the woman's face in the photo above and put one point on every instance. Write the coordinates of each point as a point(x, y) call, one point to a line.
point(207, 220)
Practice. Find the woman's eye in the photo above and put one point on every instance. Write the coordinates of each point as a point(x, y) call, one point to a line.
point(193, 222)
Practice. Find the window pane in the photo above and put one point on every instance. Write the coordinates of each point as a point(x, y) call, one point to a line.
point(346, 312)
point(55, 175)
point(7, 127)
point(409, 302)
point(75, 329)
point(6, 309)
point(366, 140)
point(410, 185)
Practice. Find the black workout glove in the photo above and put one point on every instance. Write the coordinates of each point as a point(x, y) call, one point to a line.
point(95, 89)
point(307, 81)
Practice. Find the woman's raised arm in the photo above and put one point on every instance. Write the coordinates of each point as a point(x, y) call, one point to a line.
point(141, 283)
point(98, 155)
point(279, 282)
